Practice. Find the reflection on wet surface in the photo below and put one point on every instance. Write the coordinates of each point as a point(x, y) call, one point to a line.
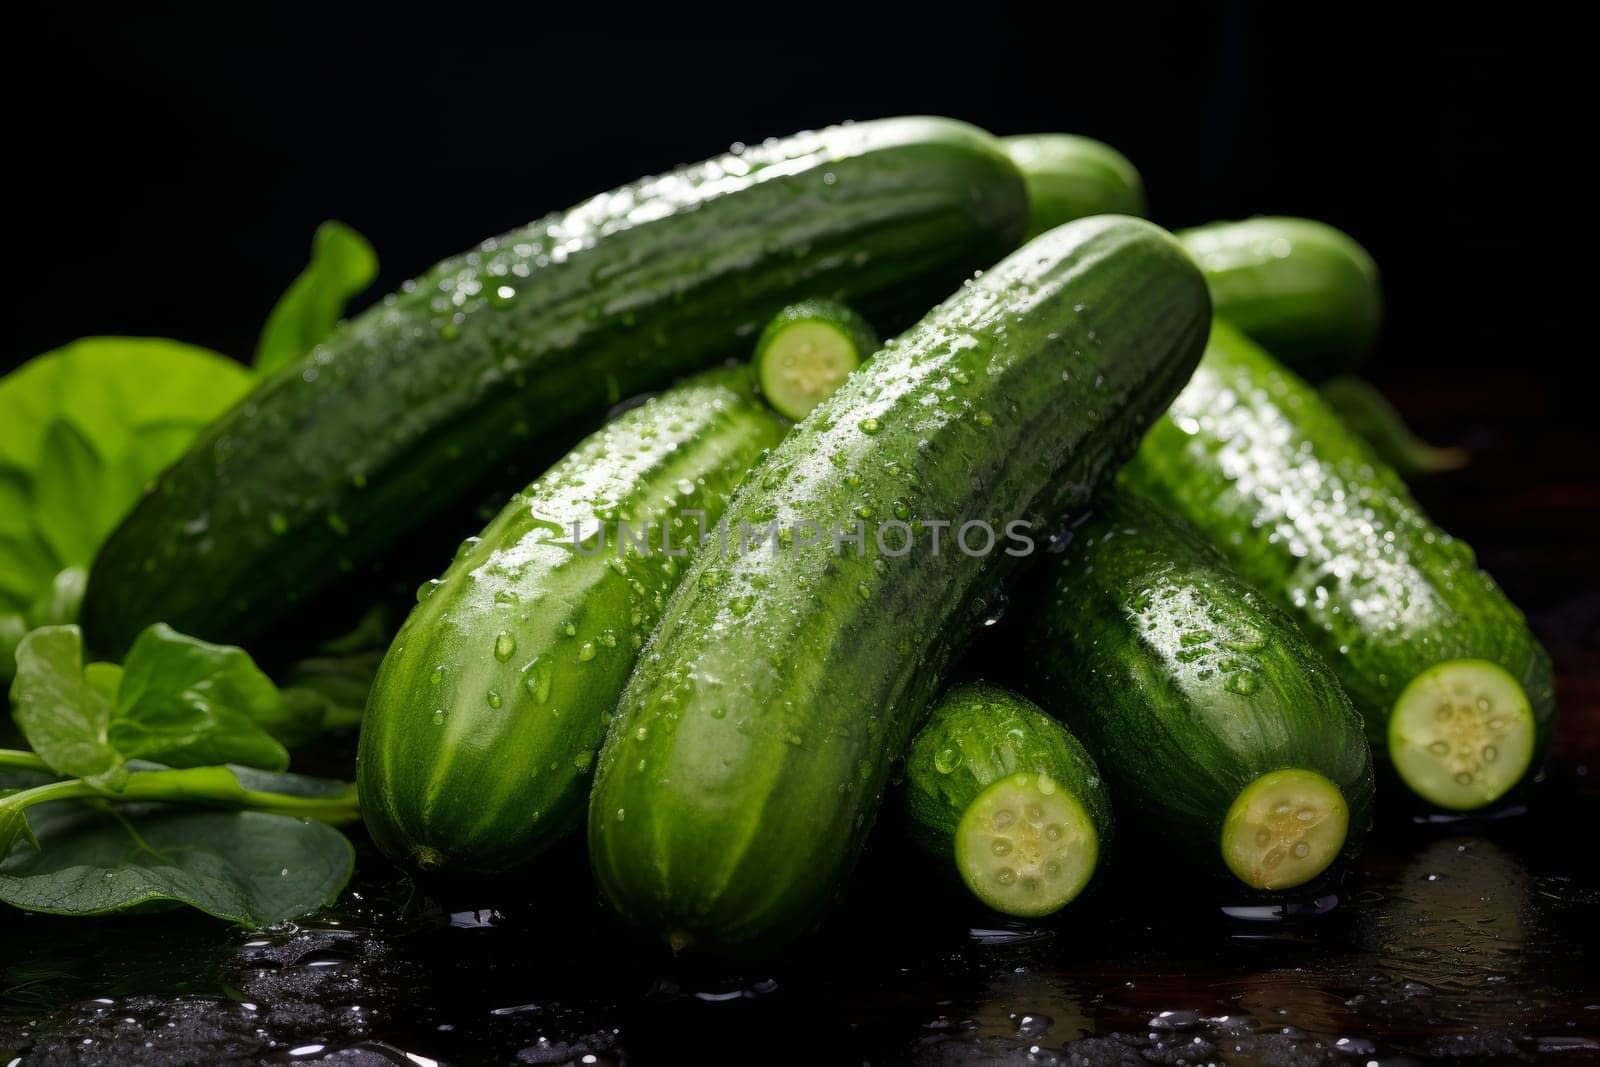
point(1457, 939)
point(1444, 943)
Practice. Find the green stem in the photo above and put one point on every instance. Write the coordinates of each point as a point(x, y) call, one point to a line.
point(16, 759)
point(197, 786)
point(189, 787)
point(70, 789)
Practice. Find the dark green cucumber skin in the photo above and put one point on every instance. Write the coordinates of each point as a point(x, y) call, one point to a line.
point(1256, 460)
point(488, 787)
point(997, 733)
point(410, 409)
point(1305, 291)
point(1184, 683)
point(1071, 177)
point(751, 748)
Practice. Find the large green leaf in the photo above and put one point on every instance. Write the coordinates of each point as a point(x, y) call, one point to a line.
point(247, 867)
point(86, 428)
point(342, 264)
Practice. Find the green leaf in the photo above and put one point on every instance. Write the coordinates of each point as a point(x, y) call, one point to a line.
point(1367, 412)
point(78, 497)
point(86, 428)
point(342, 264)
point(64, 719)
point(14, 827)
point(58, 604)
point(247, 867)
point(189, 703)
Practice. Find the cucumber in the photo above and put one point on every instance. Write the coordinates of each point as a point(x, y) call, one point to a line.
point(1071, 177)
point(492, 702)
point(751, 747)
point(1203, 703)
point(807, 350)
point(469, 375)
point(1362, 408)
point(1006, 792)
point(1455, 689)
point(1305, 291)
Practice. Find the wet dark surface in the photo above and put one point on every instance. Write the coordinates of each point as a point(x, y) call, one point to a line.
point(1468, 940)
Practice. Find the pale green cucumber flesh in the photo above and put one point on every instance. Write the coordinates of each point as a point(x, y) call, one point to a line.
point(804, 363)
point(1026, 846)
point(1284, 829)
point(1462, 734)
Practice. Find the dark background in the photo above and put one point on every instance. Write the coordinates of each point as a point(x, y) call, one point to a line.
point(172, 170)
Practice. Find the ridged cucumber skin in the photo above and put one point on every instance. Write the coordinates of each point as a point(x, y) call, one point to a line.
point(1184, 682)
point(412, 407)
point(487, 713)
point(751, 748)
point(1303, 290)
point(993, 732)
point(1257, 461)
point(1071, 177)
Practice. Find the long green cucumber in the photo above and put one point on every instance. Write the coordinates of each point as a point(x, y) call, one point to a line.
point(469, 374)
point(1455, 689)
point(492, 702)
point(1005, 792)
point(1071, 177)
point(1303, 290)
point(751, 747)
point(1207, 708)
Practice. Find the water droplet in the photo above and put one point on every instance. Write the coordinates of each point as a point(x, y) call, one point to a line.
point(947, 760)
point(582, 760)
point(538, 680)
point(586, 652)
point(493, 699)
point(864, 591)
point(505, 646)
point(869, 426)
point(437, 675)
point(1242, 682)
point(427, 589)
point(621, 814)
point(438, 717)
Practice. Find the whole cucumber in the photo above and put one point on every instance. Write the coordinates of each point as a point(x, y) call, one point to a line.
point(751, 747)
point(1305, 291)
point(1204, 704)
point(471, 373)
point(1071, 177)
point(488, 711)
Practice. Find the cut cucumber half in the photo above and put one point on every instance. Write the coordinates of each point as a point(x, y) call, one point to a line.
point(1026, 846)
point(807, 351)
point(1462, 734)
point(1284, 829)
